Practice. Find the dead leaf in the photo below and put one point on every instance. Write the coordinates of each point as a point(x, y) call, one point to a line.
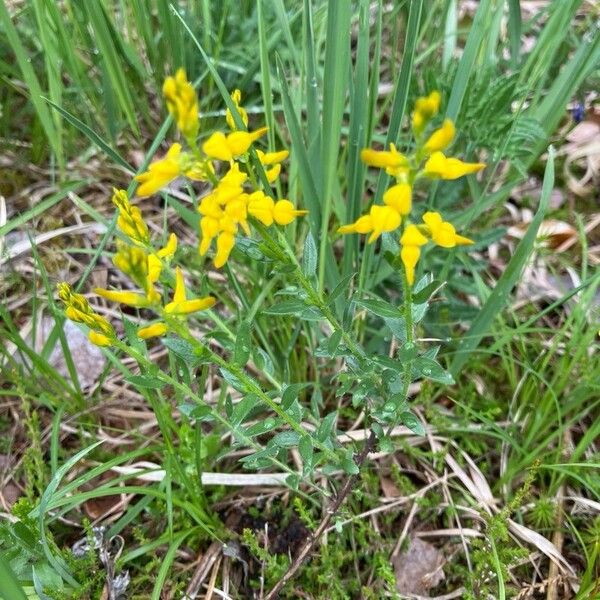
point(551, 234)
point(419, 568)
point(389, 488)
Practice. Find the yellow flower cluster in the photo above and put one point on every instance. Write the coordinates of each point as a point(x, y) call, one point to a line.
point(143, 265)
point(229, 204)
point(138, 260)
point(428, 160)
point(79, 310)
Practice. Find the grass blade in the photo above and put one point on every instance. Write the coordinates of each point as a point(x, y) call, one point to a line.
point(514, 31)
point(10, 584)
point(337, 62)
point(499, 295)
point(467, 62)
point(92, 136)
point(31, 81)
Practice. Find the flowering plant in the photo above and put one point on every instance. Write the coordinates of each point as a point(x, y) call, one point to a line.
point(238, 202)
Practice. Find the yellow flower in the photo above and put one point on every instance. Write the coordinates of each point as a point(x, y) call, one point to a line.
point(170, 248)
point(439, 165)
point(99, 339)
point(384, 219)
point(399, 197)
point(155, 330)
point(284, 212)
point(225, 244)
point(272, 158)
point(129, 298)
point(425, 108)
point(130, 220)
point(441, 138)
point(363, 225)
point(261, 206)
point(226, 147)
point(443, 233)
point(182, 103)
point(411, 241)
point(380, 219)
point(78, 310)
point(384, 159)
point(429, 106)
point(154, 268)
point(160, 173)
point(236, 96)
point(180, 305)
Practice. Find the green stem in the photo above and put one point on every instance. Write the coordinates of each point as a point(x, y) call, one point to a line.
point(249, 383)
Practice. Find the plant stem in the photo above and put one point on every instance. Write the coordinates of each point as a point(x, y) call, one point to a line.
point(332, 510)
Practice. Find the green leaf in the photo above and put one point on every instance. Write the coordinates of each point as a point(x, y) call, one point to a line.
point(410, 420)
point(305, 447)
point(290, 393)
point(287, 307)
point(262, 427)
point(11, 587)
point(286, 439)
point(334, 341)
point(242, 409)
point(309, 256)
point(421, 296)
point(349, 466)
point(407, 351)
point(181, 348)
point(243, 342)
point(340, 288)
point(430, 369)
point(381, 308)
point(293, 481)
point(92, 136)
point(326, 426)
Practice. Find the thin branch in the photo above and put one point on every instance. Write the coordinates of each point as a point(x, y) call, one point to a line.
point(332, 510)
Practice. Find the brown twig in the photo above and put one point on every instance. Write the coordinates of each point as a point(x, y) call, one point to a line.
point(310, 543)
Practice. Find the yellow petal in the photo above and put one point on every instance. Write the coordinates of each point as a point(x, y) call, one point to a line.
point(463, 241)
point(170, 248)
point(128, 298)
point(284, 212)
point(384, 219)
point(216, 147)
point(154, 268)
point(383, 159)
point(261, 207)
point(236, 96)
point(155, 330)
point(399, 197)
point(225, 243)
point(272, 158)
point(99, 339)
point(439, 165)
point(189, 306)
point(363, 224)
point(179, 293)
point(239, 142)
point(441, 138)
point(433, 220)
point(413, 237)
point(273, 173)
point(410, 256)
